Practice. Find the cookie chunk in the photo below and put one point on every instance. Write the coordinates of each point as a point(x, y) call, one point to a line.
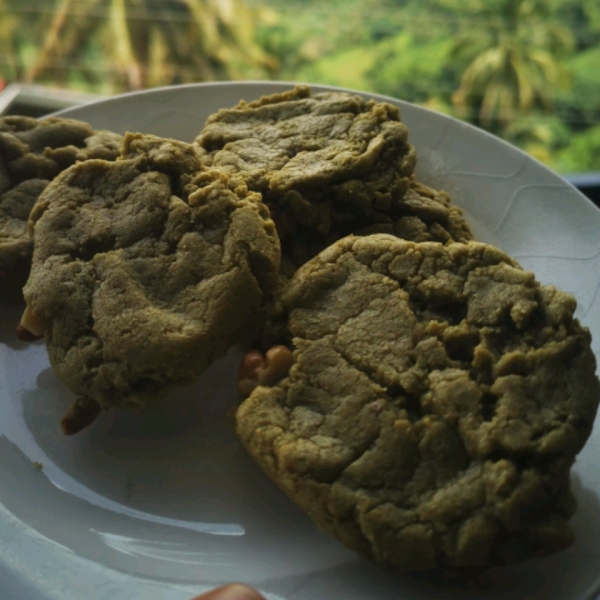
point(437, 399)
point(328, 165)
point(145, 270)
point(32, 153)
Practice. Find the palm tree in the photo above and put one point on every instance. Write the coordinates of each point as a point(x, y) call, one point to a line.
point(513, 58)
point(140, 43)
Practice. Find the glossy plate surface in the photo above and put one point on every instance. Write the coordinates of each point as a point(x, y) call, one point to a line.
point(166, 505)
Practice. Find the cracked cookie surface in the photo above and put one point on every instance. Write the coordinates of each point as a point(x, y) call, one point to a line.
point(437, 400)
point(32, 153)
point(144, 269)
point(329, 165)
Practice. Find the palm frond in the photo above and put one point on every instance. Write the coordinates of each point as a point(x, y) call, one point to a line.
point(520, 65)
point(8, 27)
point(556, 75)
point(226, 10)
point(159, 69)
point(123, 49)
point(206, 18)
point(490, 102)
point(51, 41)
point(526, 91)
point(475, 77)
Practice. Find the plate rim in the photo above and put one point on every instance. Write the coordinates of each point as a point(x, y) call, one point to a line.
point(322, 87)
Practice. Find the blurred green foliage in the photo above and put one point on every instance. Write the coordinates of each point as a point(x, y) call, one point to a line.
point(528, 70)
point(112, 46)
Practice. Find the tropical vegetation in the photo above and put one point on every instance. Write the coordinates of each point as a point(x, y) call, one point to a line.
point(528, 70)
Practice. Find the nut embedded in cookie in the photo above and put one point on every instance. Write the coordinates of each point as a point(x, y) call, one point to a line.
point(268, 369)
point(146, 270)
point(31, 327)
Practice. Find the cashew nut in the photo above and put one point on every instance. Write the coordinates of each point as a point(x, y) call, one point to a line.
point(279, 362)
point(266, 370)
point(252, 363)
point(31, 327)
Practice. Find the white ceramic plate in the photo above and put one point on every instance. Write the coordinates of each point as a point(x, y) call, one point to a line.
point(166, 505)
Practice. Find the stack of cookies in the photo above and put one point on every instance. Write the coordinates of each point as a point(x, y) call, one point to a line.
point(417, 393)
point(328, 166)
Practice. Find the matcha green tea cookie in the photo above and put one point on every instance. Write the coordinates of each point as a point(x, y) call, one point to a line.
point(145, 270)
point(328, 165)
point(32, 153)
point(436, 400)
